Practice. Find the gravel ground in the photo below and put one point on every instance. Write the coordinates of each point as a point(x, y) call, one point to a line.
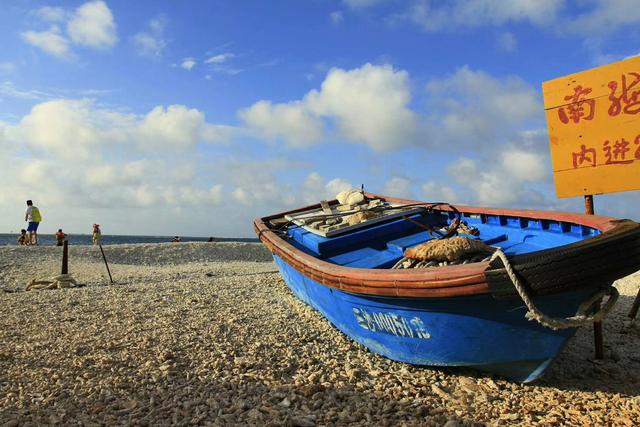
point(208, 333)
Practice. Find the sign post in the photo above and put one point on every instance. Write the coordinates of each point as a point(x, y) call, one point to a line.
point(594, 135)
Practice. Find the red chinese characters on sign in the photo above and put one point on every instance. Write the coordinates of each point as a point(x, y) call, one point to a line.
point(584, 155)
point(618, 153)
point(579, 108)
point(627, 101)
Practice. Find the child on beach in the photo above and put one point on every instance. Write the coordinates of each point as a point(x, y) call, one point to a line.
point(97, 235)
point(60, 237)
point(23, 238)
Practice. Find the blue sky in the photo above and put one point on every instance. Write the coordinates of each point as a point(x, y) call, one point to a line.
point(193, 118)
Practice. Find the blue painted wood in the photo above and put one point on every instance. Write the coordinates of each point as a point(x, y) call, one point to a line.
point(382, 244)
point(473, 331)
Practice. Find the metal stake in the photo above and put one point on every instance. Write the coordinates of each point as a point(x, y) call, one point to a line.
point(106, 264)
point(597, 326)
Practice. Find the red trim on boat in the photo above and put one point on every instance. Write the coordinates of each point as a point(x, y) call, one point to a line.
point(447, 281)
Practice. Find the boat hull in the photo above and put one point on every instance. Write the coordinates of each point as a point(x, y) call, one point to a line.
point(475, 331)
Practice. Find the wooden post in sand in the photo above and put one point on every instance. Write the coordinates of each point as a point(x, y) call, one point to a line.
point(597, 326)
point(65, 257)
point(105, 263)
point(634, 308)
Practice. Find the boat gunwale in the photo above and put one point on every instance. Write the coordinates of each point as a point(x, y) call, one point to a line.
point(446, 281)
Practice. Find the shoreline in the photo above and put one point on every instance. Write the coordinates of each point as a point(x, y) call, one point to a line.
point(194, 333)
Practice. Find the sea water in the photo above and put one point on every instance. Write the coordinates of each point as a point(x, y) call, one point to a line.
point(108, 239)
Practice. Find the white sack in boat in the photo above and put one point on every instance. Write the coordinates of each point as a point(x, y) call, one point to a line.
point(350, 197)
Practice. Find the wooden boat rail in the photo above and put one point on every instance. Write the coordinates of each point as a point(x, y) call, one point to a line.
point(447, 281)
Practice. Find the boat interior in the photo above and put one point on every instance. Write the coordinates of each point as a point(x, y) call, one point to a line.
point(381, 244)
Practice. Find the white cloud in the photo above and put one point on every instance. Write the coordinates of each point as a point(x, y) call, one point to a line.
point(151, 42)
point(433, 16)
point(220, 58)
point(434, 192)
point(398, 187)
point(175, 126)
point(93, 25)
point(505, 183)
point(525, 165)
point(78, 130)
point(368, 105)
point(291, 122)
point(255, 183)
point(472, 107)
point(76, 157)
point(50, 41)
point(316, 188)
point(7, 88)
point(336, 17)
point(363, 3)
point(53, 14)
point(507, 41)
point(606, 16)
point(7, 67)
point(188, 64)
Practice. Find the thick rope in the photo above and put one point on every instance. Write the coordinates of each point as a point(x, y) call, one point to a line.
point(580, 317)
point(58, 282)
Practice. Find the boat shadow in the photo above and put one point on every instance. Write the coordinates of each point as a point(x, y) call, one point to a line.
point(576, 367)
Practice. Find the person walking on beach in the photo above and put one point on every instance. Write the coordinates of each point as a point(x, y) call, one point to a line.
point(33, 217)
point(60, 237)
point(97, 235)
point(23, 238)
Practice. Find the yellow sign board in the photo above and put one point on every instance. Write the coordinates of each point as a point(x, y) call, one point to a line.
point(594, 129)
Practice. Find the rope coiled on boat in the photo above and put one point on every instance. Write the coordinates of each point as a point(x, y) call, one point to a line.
point(579, 319)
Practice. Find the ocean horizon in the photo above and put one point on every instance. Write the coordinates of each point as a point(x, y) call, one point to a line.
point(116, 239)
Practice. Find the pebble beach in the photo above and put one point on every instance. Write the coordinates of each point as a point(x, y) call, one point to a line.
point(209, 334)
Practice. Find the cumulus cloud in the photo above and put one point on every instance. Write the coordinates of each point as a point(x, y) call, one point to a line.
point(53, 14)
point(220, 58)
point(316, 188)
point(336, 17)
point(507, 42)
point(78, 130)
point(291, 122)
point(437, 16)
point(503, 183)
point(398, 187)
point(432, 191)
point(50, 41)
point(151, 42)
point(83, 162)
point(7, 67)
point(472, 107)
point(93, 25)
point(367, 105)
point(255, 183)
point(188, 64)
point(605, 16)
point(363, 3)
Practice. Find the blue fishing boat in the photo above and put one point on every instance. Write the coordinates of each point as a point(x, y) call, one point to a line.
point(508, 311)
